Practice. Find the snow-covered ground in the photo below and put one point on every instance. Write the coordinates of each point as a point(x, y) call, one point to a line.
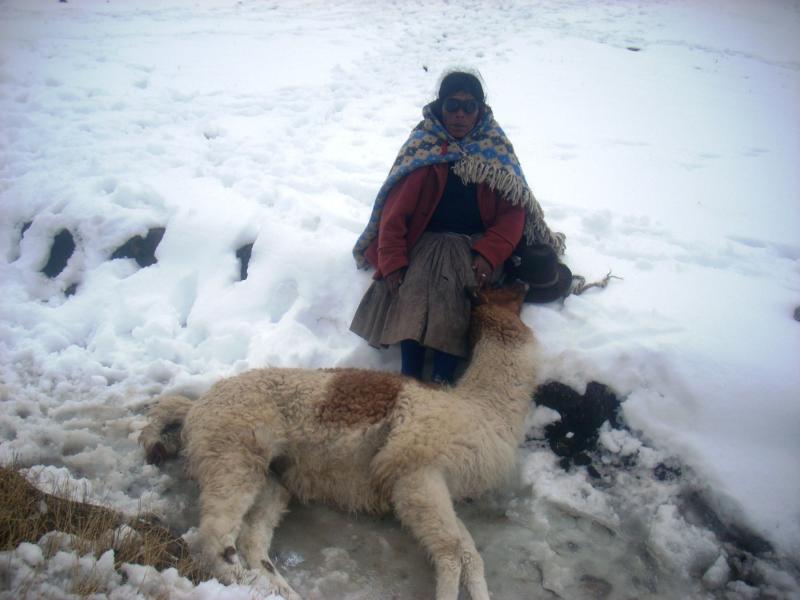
point(662, 137)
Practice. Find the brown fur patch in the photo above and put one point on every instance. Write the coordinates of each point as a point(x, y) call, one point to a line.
point(497, 314)
point(356, 396)
point(501, 325)
point(510, 297)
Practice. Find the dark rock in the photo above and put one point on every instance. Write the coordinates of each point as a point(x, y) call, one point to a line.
point(243, 254)
point(698, 511)
point(664, 472)
point(634, 49)
point(60, 253)
point(593, 473)
point(743, 568)
point(70, 291)
point(797, 314)
point(581, 417)
point(25, 226)
point(596, 587)
point(141, 249)
point(582, 459)
point(562, 445)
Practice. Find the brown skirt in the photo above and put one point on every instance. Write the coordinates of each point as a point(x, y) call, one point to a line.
point(432, 306)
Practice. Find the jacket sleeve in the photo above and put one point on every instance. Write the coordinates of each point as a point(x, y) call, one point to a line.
point(397, 211)
point(502, 236)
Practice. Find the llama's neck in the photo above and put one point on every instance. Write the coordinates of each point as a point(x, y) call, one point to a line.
point(502, 377)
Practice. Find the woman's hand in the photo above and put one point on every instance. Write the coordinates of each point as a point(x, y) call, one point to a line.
point(482, 270)
point(393, 281)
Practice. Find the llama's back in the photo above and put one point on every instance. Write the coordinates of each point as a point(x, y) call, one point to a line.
point(331, 456)
point(320, 429)
point(305, 404)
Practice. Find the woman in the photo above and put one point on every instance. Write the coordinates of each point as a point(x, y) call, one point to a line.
point(454, 207)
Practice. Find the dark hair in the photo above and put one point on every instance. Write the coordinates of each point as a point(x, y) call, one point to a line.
point(459, 81)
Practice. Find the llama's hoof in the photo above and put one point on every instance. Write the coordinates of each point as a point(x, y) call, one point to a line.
point(273, 583)
point(288, 593)
point(276, 580)
point(228, 575)
point(229, 555)
point(228, 568)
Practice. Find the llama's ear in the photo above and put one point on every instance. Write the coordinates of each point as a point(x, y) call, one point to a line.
point(520, 289)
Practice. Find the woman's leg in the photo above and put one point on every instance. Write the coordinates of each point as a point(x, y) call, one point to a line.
point(412, 356)
point(444, 367)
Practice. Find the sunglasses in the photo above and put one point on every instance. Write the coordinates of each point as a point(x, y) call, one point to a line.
point(452, 105)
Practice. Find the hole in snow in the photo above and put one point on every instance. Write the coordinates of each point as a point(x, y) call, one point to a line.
point(141, 249)
point(60, 252)
point(243, 254)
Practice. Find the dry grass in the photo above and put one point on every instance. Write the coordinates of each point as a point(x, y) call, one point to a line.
point(27, 514)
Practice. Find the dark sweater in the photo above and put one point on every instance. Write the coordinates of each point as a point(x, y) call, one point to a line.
point(457, 210)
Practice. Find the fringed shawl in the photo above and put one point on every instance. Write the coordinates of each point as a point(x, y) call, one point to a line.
point(484, 156)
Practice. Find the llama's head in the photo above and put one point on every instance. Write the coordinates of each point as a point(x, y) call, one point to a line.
point(495, 313)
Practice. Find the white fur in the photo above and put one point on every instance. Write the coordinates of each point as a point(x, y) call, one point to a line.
point(432, 446)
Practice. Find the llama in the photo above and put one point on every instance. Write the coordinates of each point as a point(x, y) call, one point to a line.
point(361, 440)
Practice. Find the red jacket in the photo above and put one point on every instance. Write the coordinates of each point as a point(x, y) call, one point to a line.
point(408, 210)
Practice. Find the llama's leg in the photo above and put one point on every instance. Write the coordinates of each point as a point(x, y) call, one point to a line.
point(256, 535)
point(422, 502)
point(472, 563)
point(228, 491)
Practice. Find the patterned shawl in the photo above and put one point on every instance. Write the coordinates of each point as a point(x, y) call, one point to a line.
point(484, 156)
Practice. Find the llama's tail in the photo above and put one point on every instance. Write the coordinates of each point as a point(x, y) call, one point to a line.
point(161, 438)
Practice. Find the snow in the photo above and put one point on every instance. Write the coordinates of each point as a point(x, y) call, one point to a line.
point(662, 138)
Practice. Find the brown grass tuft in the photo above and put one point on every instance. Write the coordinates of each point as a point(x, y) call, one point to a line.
point(27, 514)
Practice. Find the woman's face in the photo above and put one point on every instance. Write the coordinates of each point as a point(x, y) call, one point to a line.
point(457, 120)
